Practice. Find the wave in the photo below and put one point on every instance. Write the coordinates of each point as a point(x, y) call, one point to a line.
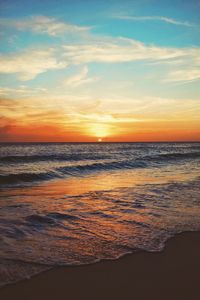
point(25, 177)
point(40, 232)
point(77, 170)
point(174, 156)
point(51, 157)
point(68, 170)
point(51, 218)
point(89, 156)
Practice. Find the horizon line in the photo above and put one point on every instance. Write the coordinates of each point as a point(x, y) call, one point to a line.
point(95, 142)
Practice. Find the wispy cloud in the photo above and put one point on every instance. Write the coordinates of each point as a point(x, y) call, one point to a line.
point(179, 64)
point(79, 78)
point(154, 18)
point(184, 76)
point(28, 64)
point(121, 50)
point(184, 69)
point(43, 25)
point(21, 91)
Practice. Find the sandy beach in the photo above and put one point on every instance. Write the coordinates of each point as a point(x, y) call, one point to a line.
point(171, 274)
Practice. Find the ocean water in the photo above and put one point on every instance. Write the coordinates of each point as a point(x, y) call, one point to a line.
point(71, 204)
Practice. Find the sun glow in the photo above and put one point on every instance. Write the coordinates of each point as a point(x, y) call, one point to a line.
point(99, 140)
point(100, 130)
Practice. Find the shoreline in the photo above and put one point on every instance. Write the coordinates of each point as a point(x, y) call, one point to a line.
point(172, 273)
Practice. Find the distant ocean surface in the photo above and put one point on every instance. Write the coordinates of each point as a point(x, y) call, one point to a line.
point(79, 203)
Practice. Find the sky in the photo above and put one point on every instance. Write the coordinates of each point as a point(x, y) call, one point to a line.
point(77, 71)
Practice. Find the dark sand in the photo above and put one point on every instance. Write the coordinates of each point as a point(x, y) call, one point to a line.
point(172, 274)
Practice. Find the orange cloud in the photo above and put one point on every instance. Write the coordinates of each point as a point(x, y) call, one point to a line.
point(25, 121)
point(16, 132)
point(36, 133)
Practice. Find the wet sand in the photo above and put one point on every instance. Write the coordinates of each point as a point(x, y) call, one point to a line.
point(172, 274)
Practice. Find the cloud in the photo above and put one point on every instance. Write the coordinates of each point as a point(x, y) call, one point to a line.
point(28, 64)
point(109, 118)
point(21, 91)
point(186, 69)
point(121, 50)
point(79, 79)
point(181, 64)
point(32, 120)
point(4, 131)
point(97, 49)
point(185, 75)
point(25, 112)
point(154, 18)
point(43, 25)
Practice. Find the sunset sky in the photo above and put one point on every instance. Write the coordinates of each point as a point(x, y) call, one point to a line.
point(115, 70)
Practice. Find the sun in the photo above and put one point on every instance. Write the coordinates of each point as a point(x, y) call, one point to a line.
point(99, 140)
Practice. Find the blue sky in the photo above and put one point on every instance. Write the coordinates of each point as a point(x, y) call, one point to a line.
point(102, 15)
point(104, 57)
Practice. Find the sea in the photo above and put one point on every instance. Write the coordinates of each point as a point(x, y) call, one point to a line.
point(67, 204)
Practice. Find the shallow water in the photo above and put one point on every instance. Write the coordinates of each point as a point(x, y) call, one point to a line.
point(75, 204)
